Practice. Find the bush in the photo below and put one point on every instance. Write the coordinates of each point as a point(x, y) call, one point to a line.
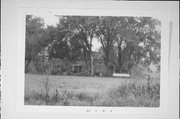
point(54, 66)
point(60, 67)
point(132, 95)
point(31, 68)
point(85, 73)
point(138, 71)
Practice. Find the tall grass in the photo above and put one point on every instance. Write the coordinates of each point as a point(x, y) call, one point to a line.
point(131, 95)
point(126, 95)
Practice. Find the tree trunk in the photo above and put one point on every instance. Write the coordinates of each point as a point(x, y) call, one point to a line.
point(27, 62)
point(120, 62)
point(92, 66)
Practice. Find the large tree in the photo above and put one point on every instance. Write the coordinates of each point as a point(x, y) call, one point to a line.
point(128, 40)
point(81, 31)
point(34, 37)
point(106, 32)
point(57, 43)
point(141, 40)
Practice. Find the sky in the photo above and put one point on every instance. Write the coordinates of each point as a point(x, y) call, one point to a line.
point(53, 20)
point(49, 19)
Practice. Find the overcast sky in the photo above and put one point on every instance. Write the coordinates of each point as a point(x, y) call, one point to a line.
point(49, 19)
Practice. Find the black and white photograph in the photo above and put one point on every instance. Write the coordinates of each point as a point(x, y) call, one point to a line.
point(104, 61)
point(89, 59)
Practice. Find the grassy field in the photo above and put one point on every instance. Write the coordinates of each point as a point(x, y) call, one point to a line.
point(91, 91)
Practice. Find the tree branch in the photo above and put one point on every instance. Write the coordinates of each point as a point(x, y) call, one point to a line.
point(102, 43)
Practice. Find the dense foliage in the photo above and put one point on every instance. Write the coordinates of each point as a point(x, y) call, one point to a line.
point(125, 42)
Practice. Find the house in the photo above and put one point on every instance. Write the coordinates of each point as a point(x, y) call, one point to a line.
point(80, 67)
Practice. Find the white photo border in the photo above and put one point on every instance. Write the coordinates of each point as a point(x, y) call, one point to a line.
point(163, 16)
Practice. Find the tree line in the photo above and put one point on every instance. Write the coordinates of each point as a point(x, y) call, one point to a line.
point(125, 41)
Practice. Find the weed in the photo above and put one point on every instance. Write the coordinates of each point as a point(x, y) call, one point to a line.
point(128, 94)
point(132, 95)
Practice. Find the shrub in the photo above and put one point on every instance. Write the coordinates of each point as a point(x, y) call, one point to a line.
point(59, 66)
point(55, 66)
point(31, 68)
point(132, 95)
point(137, 71)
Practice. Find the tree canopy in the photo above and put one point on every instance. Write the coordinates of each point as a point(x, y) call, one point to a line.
point(125, 41)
